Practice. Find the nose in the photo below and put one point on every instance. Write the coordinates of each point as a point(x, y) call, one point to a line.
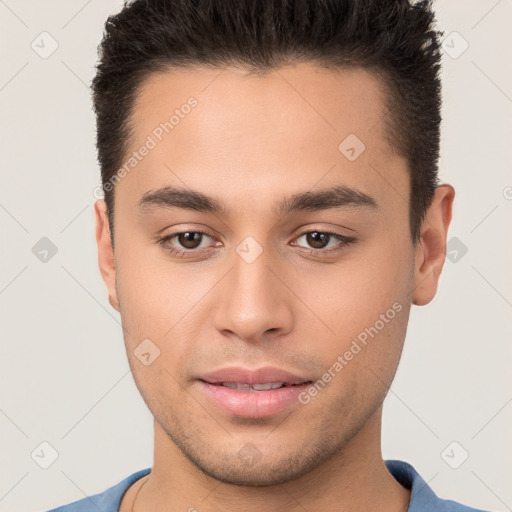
point(253, 304)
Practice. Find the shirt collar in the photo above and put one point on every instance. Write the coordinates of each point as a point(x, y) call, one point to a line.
point(422, 496)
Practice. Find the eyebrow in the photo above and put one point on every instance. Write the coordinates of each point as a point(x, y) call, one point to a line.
point(336, 197)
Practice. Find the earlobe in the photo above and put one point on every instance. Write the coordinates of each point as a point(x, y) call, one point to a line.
point(431, 248)
point(105, 252)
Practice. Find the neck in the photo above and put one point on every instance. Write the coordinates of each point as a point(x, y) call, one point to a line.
point(355, 478)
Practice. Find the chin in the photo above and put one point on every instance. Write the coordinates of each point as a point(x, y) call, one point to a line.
point(250, 468)
point(273, 474)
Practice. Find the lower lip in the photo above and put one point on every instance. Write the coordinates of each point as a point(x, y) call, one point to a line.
point(252, 404)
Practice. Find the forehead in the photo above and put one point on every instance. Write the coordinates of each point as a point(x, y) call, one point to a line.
point(305, 98)
point(257, 131)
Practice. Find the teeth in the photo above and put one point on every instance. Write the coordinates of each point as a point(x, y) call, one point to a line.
point(236, 385)
point(253, 387)
point(269, 385)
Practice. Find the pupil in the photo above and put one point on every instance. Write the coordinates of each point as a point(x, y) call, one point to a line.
point(313, 239)
point(189, 239)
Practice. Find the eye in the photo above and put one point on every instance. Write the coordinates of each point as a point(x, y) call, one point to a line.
point(319, 240)
point(190, 241)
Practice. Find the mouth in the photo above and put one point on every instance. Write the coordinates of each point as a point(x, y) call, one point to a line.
point(257, 387)
point(253, 393)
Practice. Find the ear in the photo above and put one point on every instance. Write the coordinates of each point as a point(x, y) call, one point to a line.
point(105, 252)
point(430, 250)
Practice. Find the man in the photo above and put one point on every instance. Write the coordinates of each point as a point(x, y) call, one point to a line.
point(272, 210)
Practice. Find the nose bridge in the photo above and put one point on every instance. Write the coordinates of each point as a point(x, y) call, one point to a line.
point(251, 301)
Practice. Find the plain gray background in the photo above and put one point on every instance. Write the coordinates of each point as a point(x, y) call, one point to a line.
point(65, 378)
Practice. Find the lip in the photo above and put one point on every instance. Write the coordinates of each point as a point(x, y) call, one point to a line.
point(252, 403)
point(262, 375)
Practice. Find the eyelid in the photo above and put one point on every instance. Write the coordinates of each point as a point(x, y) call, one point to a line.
point(342, 239)
point(167, 237)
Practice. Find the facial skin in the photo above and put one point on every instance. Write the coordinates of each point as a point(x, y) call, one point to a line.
point(250, 142)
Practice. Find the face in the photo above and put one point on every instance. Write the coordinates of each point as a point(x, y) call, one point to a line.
point(292, 264)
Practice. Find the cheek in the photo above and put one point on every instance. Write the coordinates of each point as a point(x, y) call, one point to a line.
point(153, 293)
point(158, 302)
point(364, 302)
point(351, 295)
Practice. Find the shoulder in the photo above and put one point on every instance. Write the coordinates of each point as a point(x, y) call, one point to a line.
point(423, 498)
point(106, 501)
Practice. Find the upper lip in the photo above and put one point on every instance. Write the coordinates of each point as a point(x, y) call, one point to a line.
point(262, 375)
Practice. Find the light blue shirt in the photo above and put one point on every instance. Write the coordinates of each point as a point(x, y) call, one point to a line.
point(423, 498)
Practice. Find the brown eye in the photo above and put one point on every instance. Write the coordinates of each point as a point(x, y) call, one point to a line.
point(317, 240)
point(185, 243)
point(189, 239)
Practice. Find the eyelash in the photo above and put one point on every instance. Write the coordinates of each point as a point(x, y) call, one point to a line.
point(346, 240)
